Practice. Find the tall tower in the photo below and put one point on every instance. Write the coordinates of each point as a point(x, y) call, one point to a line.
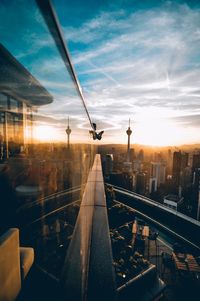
point(128, 132)
point(68, 131)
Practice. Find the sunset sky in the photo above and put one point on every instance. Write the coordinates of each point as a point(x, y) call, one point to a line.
point(134, 59)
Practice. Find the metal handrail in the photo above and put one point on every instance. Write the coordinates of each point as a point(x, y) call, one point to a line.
point(187, 228)
point(156, 204)
point(49, 14)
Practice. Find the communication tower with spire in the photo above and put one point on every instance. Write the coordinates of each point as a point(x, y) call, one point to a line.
point(128, 132)
point(68, 132)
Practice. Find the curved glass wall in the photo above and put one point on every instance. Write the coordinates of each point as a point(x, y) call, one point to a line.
point(45, 147)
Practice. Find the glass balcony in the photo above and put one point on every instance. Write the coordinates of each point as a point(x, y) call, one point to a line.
point(46, 150)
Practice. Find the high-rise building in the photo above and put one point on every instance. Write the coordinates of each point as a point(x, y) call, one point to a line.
point(186, 178)
point(109, 164)
point(162, 173)
point(136, 166)
point(127, 167)
point(152, 184)
point(180, 162)
point(196, 194)
point(158, 171)
point(141, 182)
point(195, 162)
point(141, 155)
point(184, 160)
point(176, 169)
point(158, 156)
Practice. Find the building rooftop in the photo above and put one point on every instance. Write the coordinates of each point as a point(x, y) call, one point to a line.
point(173, 198)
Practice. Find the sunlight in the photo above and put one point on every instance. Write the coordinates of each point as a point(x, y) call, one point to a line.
point(45, 133)
point(158, 132)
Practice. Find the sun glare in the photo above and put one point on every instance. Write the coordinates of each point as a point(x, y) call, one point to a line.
point(45, 133)
point(158, 127)
point(154, 133)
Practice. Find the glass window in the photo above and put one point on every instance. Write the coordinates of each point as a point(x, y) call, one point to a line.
point(47, 147)
point(13, 105)
point(2, 136)
point(3, 101)
point(20, 106)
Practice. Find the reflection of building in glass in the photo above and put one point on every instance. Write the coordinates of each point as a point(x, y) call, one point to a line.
point(20, 92)
point(68, 132)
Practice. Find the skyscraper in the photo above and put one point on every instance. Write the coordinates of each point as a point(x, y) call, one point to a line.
point(158, 171)
point(180, 162)
point(141, 182)
point(141, 155)
point(196, 194)
point(195, 162)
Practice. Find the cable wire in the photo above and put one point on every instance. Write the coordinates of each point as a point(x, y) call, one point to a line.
point(49, 14)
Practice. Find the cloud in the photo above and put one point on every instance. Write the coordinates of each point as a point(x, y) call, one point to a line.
point(138, 61)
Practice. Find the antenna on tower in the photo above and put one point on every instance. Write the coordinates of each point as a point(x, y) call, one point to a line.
point(128, 132)
point(68, 132)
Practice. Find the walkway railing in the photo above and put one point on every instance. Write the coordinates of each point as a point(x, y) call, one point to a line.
point(88, 273)
point(178, 224)
point(156, 204)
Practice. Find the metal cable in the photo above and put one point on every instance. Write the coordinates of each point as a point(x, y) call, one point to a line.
point(48, 12)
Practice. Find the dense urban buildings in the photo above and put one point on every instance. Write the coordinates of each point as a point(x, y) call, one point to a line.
point(159, 173)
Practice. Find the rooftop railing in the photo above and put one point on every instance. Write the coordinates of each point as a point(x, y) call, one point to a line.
point(175, 223)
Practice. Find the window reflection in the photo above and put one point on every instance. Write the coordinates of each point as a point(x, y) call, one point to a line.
point(3, 101)
point(45, 151)
point(34, 165)
point(14, 105)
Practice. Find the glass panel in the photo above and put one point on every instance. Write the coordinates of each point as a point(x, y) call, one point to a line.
point(13, 105)
point(3, 101)
point(45, 147)
point(2, 137)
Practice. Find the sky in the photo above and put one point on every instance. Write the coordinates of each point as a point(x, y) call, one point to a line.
point(134, 59)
